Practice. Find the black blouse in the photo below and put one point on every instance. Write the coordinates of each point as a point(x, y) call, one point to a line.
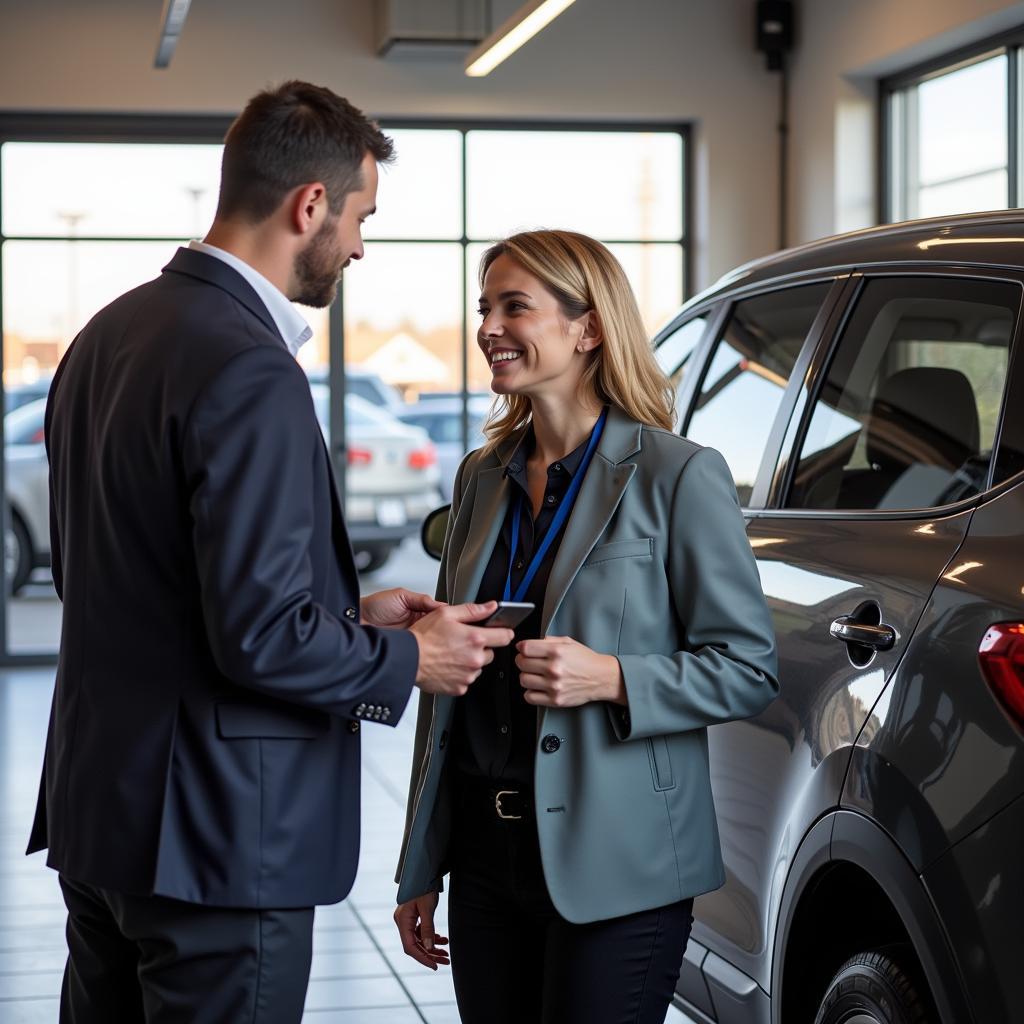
point(495, 731)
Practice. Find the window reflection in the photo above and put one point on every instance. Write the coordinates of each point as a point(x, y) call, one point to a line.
point(744, 384)
point(674, 352)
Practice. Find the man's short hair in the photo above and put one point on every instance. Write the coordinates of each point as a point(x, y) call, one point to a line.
point(289, 136)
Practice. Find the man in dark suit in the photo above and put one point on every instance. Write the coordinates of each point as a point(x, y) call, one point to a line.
point(200, 791)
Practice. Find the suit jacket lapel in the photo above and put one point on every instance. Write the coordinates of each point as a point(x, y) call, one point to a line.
point(602, 489)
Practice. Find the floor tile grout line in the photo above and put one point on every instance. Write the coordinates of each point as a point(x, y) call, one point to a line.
point(381, 778)
point(394, 973)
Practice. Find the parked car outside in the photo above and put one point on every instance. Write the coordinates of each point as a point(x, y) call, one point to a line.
point(441, 418)
point(21, 394)
point(367, 385)
point(27, 537)
point(392, 483)
point(391, 477)
point(868, 394)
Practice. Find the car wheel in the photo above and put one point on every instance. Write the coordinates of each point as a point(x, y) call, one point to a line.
point(876, 988)
point(372, 557)
point(17, 555)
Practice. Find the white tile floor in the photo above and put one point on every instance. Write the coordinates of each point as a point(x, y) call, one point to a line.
point(359, 974)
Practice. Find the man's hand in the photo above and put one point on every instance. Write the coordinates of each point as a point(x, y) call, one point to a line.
point(397, 608)
point(453, 652)
point(559, 672)
point(415, 921)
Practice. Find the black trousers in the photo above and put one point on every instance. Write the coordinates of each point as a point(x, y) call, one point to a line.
point(134, 959)
point(515, 960)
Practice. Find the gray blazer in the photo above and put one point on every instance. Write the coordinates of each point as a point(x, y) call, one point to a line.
point(655, 568)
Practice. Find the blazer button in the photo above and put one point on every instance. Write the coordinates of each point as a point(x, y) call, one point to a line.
point(350, 613)
point(444, 741)
point(353, 727)
point(550, 743)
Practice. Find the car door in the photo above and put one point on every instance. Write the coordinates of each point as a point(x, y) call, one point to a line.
point(889, 441)
point(734, 367)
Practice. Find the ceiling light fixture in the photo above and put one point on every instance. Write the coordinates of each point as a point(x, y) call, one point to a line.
point(519, 29)
point(171, 24)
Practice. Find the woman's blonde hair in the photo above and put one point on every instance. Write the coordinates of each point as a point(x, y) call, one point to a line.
point(584, 276)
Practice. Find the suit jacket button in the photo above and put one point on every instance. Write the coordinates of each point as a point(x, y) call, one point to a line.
point(353, 727)
point(444, 741)
point(550, 744)
point(350, 613)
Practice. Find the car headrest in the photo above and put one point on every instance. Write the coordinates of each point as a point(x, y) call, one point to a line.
point(926, 415)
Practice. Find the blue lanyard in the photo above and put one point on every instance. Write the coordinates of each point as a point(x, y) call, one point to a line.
point(556, 524)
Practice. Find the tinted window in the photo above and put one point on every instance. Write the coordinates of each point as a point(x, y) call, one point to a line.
point(749, 371)
point(908, 409)
point(1010, 460)
point(674, 352)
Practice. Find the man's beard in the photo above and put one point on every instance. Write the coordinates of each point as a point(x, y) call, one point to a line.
point(318, 268)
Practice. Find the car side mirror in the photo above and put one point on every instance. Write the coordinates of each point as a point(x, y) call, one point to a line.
point(435, 526)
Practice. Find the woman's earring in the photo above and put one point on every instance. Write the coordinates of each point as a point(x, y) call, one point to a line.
point(579, 348)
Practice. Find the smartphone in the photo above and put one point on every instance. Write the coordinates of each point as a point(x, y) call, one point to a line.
point(508, 614)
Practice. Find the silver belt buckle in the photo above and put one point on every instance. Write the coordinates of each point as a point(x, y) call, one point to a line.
point(497, 805)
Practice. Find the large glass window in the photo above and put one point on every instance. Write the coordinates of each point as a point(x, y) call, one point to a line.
point(83, 220)
point(952, 136)
point(907, 413)
point(750, 367)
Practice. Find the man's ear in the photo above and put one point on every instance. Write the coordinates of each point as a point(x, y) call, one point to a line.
point(308, 207)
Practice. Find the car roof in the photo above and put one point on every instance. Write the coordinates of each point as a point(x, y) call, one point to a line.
point(992, 239)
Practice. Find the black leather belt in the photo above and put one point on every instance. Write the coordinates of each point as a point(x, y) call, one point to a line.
point(489, 799)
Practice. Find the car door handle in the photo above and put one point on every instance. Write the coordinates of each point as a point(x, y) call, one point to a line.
point(850, 631)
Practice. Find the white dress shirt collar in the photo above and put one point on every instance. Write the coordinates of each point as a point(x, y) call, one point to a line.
point(294, 329)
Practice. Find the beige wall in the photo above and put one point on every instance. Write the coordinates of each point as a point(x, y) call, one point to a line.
point(659, 60)
point(844, 47)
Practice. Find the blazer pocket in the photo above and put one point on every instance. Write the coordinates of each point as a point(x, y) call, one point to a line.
point(632, 548)
point(661, 763)
point(237, 721)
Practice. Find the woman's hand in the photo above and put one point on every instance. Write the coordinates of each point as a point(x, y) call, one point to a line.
point(397, 608)
point(559, 672)
point(415, 921)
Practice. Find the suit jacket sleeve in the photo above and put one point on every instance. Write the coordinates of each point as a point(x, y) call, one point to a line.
point(727, 669)
point(250, 446)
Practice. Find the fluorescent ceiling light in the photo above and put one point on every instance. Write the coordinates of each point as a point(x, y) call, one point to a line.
point(171, 24)
point(519, 29)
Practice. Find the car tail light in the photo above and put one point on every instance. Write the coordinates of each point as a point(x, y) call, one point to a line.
point(359, 456)
point(1002, 661)
point(423, 457)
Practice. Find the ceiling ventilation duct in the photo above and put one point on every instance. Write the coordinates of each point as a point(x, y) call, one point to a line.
point(430, 28)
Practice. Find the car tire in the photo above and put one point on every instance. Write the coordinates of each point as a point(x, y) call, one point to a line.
point(17, 555)
point(373, 557)
point(877, 987)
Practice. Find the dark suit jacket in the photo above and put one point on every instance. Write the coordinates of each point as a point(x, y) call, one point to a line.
point(203, 740)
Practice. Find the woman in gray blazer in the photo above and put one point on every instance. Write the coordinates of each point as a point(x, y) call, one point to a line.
point(567, 791)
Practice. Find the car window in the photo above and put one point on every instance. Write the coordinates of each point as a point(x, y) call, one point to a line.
point(674, 351)
point(1010, 458)
point(748, 374)
point(907, 411)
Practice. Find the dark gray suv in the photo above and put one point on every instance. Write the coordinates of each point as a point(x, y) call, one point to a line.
point(868, 393)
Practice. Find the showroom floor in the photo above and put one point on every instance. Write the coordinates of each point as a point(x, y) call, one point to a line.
point(360, 974)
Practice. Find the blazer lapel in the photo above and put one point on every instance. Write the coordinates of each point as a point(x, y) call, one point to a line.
point(489, 503)
point(599, 496)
